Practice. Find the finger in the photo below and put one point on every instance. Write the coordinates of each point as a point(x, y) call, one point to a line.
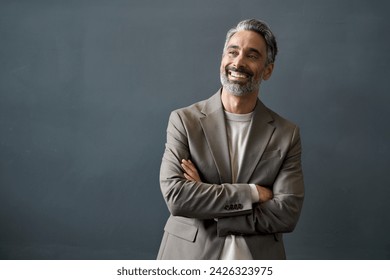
point(185, 164)
point(188, 177)
point(189, 171)
point(189, 165)
point(189, 168)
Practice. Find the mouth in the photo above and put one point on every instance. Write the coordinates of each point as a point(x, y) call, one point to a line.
point(238, 75)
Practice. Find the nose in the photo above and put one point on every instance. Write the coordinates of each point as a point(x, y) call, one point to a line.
point(239, 61)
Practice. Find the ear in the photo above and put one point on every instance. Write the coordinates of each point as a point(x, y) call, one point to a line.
point(268, 71)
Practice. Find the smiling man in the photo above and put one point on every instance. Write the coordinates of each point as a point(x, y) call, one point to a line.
point(231, 172)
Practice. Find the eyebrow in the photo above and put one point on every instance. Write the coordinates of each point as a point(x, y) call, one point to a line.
point(250, 49)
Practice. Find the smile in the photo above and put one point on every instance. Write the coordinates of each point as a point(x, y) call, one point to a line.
point(239, 75)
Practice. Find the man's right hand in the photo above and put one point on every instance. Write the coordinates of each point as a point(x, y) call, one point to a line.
point(264, 194)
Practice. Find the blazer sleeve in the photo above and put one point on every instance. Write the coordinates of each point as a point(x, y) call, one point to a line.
point(196, 199)
point(281, 213)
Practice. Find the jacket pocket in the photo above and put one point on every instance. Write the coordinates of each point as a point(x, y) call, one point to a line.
point(181, 229)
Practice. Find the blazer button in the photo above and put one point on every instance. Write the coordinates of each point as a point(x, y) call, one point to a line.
point(227, 207)
point(240, 206)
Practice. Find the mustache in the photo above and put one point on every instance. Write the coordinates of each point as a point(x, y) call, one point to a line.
point(240, 70)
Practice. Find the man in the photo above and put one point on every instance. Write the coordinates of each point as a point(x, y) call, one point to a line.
point(231, 172)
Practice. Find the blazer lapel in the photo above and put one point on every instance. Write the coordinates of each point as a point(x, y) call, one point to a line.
point(214, 127)
point(260, 133)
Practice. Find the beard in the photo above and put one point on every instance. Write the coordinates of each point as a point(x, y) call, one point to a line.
point(239, 89)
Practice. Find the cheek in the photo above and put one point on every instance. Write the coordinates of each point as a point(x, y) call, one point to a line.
point(260, 72)
point(222, 68)
point(224, 63)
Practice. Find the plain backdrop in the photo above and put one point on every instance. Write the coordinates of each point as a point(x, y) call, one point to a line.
point(86, 88)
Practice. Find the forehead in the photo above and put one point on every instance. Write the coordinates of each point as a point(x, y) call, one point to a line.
point(246, 39)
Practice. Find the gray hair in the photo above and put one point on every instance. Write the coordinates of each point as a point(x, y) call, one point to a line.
point(261, 28)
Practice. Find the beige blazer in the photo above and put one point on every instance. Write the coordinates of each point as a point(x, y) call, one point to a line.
point(204, 213)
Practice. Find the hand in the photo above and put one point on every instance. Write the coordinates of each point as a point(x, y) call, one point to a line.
point(190, 171)
point(264, 194)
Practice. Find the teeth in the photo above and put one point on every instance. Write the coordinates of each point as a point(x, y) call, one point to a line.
point(237, 74)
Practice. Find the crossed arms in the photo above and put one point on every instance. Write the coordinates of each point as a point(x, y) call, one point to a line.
point(186, 195)
point(191, 174)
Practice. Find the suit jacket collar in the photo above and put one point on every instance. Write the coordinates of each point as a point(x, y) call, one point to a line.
point(260, 133)
point(214, 127)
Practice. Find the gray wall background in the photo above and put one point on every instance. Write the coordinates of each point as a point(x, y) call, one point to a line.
point(86, 88)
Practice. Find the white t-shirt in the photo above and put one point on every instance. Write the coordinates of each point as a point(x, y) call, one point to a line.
point(238, 126)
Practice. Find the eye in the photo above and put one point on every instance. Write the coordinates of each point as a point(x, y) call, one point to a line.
point(253, 56)
point(233, 53)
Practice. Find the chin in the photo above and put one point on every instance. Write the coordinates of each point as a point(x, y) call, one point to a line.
point(238, 89)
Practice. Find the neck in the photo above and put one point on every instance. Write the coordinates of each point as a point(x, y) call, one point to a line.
point(238, 104)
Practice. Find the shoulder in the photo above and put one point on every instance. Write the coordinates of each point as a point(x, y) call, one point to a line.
point(199, 109)
point(281, 122)
point(193, 109)
point(285, 131)
point(187, 114)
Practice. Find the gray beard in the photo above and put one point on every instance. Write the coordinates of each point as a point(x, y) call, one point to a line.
point(239, 89)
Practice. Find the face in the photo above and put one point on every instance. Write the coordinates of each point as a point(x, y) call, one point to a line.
point(243, 64)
